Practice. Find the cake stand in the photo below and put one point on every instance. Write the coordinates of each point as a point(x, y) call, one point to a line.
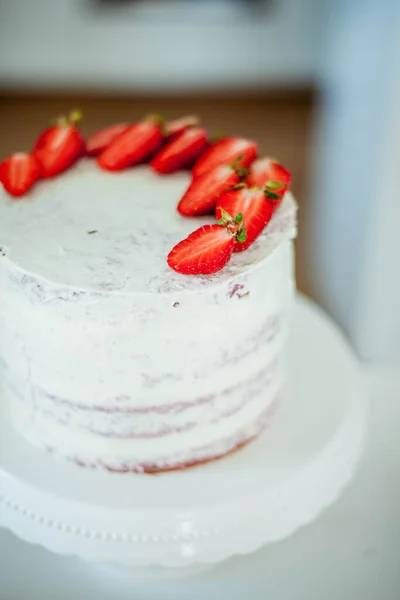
point(178, 522)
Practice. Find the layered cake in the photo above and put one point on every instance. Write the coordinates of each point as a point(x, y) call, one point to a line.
point(145, 294)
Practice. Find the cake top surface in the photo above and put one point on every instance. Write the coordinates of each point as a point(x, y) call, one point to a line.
point(111, 232)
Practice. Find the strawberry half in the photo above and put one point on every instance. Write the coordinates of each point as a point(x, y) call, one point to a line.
point(19, 172)
point(225, 152)
point(136, 144)
point(201, 196)
point(269, 174)
point(174, 128)
point(101, 139)
point(59, 147)
point(206, 250)
point(253, 205)
point(181, 151)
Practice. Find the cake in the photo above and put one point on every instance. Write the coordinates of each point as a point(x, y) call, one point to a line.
point(108, 356)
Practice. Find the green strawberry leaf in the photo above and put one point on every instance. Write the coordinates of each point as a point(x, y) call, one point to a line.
point(242, 236)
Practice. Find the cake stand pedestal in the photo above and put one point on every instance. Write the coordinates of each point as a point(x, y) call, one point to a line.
point(180, 522)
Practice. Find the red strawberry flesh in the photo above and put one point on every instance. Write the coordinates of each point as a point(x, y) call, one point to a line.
point(255, 208)
point(226, 151)
point(181, 151)
point(19, 172)
point(101, 139)
point(206, 250)
point(138, 143)
point(267, 170)
point(175, 128)
point(60, 146)
point(204, 191)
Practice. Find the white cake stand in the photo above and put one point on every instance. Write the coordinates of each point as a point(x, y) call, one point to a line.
point(183, 520)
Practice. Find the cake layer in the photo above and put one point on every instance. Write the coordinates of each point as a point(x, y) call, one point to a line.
point(221, 444)
point(144, 422)
point(109, 357)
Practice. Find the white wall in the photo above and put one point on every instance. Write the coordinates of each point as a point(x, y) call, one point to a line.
point(377, 324)
point(62, 42)
point(353, 223)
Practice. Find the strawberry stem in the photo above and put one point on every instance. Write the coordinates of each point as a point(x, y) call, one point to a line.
point(241, 171)
point(273, 184)
point(241, 237)
point(238, 168)
point(225, 216)
point(75, 115)
point(217, 136)
point(234, 225)
point(70, 120)
point(156, 118)
point(272, 189)
point(272, 195)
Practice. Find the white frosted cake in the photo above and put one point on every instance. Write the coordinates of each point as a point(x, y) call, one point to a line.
point(108, 356)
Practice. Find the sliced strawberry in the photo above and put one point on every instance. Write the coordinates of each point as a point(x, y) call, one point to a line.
point(101, 139)
point(270, 174)
point(138, 143)
point(253, 205)
point(202, 194)
point(174, 128)
point(181, 151)
point(206, 250)
point(19, 172)
point(225, 152)
point(59, 147)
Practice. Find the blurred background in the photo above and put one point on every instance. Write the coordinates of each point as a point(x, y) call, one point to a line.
point(316, 83)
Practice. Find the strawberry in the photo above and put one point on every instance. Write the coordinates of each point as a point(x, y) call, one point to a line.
point(253, 205)
point(226, 152)
point(136, 144)
point(60, 146)
point(270, 174)
point(101, 139)
point(202, 194)
point(19, 172)
point(181, 151)
point(174, 128)
point(206, 250)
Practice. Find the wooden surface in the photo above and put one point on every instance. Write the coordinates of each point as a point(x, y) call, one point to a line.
point(281, 123)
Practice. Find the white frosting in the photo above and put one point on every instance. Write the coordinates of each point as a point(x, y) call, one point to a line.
point(110, 357)
point(136, 223)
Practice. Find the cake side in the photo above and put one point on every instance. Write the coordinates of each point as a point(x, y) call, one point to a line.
point(166, 376)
